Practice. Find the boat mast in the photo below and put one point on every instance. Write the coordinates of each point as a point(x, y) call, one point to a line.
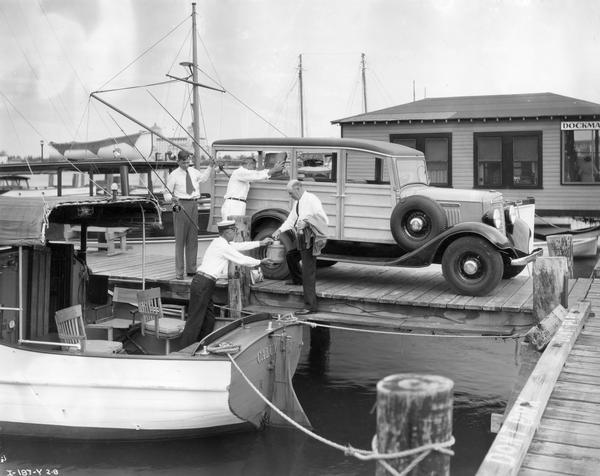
point(301, 95)
point(195, 99)
point(364, 81)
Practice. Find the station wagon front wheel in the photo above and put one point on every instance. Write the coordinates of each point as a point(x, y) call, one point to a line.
point(472, 266)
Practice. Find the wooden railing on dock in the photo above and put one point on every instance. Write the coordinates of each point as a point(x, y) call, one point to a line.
point(510, 447)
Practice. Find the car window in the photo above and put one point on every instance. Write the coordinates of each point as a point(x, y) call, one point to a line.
point(366, 168)
point(316, 166)
point(233, 159)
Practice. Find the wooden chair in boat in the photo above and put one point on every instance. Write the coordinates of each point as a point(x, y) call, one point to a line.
point(71, 330)
point(153, 320)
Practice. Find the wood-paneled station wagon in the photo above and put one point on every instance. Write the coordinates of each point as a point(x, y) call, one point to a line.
point(382, 210)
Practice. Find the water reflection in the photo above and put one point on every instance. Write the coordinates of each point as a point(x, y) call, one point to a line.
point(335, 383)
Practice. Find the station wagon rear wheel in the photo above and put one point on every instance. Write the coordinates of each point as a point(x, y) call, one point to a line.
point(472, 266)
point(415, 220)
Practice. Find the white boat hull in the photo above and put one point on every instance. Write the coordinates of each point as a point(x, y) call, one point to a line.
point(123, 395)
point(120, 396)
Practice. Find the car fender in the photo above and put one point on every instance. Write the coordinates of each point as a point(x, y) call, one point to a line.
point(432, 251)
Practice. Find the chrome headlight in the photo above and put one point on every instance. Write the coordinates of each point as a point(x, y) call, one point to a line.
point(510, 214)
point(497, 218)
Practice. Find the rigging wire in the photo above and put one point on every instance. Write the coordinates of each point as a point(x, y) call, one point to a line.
point(84, 87)
point(144, 52)
point(242, 102)
point(125, 88)
point(31, 67)
point(16, 132)
point(189, 218)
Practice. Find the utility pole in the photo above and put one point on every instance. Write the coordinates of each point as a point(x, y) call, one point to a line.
point(364, 81)
point(195, 98)
point(301, 92)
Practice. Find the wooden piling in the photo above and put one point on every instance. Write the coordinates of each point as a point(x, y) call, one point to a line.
point(239, 276)
point(562, 245)
point(550, 285)
point(414, 410)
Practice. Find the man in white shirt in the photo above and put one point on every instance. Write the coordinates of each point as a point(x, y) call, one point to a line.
point(183, 186)
point(239, 186)
point(215, 264)
point(306, 211)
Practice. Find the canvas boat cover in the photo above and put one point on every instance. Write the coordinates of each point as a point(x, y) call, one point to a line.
point(24, 221)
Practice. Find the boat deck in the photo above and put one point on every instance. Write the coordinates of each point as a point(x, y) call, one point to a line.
point(400, 298)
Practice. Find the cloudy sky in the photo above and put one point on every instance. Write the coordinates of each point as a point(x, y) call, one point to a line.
point(55, 52)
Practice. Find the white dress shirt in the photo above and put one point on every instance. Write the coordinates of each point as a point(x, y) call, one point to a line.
point(219, 253)
point(308, 205)
point(239, 182)
point(176, 183)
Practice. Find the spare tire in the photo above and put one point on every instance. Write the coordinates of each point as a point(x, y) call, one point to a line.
point(415, 220)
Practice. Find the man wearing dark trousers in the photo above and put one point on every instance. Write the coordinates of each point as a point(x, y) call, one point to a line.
point(215, 265)
point(307, 224)
point(183, 187)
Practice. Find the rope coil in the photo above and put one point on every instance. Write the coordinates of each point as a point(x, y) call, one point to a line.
point(224, 347)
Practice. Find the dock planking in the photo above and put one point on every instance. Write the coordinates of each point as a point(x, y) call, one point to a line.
point(566, 438)
point(352, 294)
point(357, 293)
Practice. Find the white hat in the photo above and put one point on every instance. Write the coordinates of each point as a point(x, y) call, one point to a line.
point(225, 224)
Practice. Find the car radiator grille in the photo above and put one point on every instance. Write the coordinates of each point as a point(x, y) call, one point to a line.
point(452, 211)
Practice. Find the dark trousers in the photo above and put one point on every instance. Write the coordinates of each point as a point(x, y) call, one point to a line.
point(185, 228)
point(201, 320)
point(307, 274)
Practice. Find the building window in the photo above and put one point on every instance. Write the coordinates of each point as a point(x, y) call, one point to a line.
point(508, 160)
point(438, 154)
point(580, 157)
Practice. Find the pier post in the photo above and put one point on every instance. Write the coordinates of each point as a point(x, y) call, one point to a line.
point(550, 285)
point(239, 276)
point(414, 410)
point(562, 245)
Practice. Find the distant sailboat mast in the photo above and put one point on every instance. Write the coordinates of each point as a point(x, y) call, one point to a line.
point(301, 92)
point(364, 80)
point(196, 100)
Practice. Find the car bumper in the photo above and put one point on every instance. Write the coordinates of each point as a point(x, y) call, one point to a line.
point(523, 260)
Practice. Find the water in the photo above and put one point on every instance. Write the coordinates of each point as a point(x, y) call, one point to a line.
point(336, 386)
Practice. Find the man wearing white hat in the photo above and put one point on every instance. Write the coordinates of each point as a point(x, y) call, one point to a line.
point(215, 264)
point(183, 185)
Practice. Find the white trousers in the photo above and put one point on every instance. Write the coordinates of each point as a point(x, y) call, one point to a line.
point(232, 208)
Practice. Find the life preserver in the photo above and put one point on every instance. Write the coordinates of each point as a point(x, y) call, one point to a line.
point(415, 220)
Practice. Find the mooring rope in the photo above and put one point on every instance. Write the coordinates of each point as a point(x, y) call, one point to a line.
point(364, 455)
point(372, 331)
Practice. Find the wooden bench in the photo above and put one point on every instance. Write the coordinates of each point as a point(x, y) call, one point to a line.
point(112, 235)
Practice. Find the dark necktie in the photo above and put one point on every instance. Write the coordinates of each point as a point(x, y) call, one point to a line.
point(189, 187)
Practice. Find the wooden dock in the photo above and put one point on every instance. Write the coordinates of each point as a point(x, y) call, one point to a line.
point(554, 426)
point(399, 298)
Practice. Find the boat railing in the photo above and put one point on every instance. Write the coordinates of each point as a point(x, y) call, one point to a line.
point(54, 344)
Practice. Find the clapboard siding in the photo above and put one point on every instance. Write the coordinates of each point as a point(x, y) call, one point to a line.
point(553, 195)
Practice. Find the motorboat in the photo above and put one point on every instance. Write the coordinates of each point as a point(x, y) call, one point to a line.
point(229, 381)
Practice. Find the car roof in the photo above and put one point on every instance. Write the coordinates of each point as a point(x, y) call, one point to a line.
point(367, 145)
